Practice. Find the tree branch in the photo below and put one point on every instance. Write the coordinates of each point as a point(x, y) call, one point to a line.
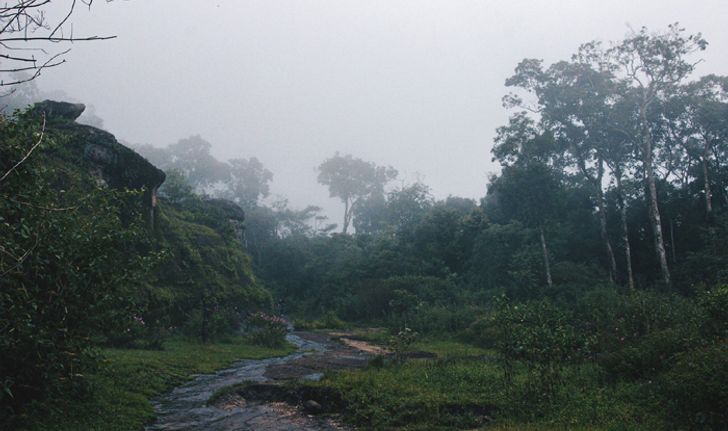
point(40, 139)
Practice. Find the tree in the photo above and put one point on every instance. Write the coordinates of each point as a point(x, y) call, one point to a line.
point(571, 102)
point(651, 68)
point(529, 193)
point(698, 120)
point(176, 188)
point(191, 157)
point(353, 180)
point(247, 182)
point(399, 212)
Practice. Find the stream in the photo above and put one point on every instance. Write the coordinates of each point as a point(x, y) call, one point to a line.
point(186, 407)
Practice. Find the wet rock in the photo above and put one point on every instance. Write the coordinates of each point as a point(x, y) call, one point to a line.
point(258, 404)
point(312, 407)
point(266, 392)
point(315, 363)
point(288, 372)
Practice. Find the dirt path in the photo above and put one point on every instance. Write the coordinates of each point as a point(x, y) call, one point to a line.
point(259, 406)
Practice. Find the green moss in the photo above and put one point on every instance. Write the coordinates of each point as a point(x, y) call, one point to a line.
point(127, 379)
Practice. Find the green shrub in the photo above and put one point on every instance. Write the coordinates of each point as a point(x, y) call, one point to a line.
point(697, 386)
point(714, 304)
point(540, 335)
point(440, 320)
point(71, 254)
point(328, 321)
point(266, 330)
point(619, 320)
point(646, 357)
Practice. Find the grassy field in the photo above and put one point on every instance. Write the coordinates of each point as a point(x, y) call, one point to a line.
point(127, 379)
point(464, 389)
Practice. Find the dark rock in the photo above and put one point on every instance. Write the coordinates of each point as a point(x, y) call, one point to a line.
point(104, 157)
point(267, 392)
point(288, 371)
point(60, 110)
point(312, 407)
point(99, 153)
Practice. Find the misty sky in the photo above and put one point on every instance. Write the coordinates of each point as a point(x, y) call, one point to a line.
point(413, 84)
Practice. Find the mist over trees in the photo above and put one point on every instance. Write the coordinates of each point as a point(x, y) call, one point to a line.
point(591, 266)
point(353, 181)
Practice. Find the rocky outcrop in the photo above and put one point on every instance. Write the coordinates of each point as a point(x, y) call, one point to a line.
point(111, 163)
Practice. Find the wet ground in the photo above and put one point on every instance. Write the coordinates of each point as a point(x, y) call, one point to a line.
point(186, 407)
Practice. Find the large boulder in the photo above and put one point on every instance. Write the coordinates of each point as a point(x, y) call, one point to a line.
point(99, 153)
point(110, 162)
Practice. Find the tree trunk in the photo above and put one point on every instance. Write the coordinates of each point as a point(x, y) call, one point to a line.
point(625, 230)
point(347, 216)
point(602, 215)
point(654, 211)
point(673, 251)
point(706, 179)
point(546, 264)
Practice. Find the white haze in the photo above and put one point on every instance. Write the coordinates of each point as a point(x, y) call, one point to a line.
point(413, 84)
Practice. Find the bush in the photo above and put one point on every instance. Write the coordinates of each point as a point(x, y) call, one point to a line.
point(266, 330)
point(646, 357)
point(697, 386)
point(541, 336)
point(328, 321)
point(448, 320)
point(714, 304)
point(71, 254)
point(619, 320)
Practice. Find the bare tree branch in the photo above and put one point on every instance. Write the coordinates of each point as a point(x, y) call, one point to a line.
point(24, 26)
point(21, 161)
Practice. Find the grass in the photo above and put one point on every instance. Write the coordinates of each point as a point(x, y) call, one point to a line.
point(464, 389)
point(127, 379)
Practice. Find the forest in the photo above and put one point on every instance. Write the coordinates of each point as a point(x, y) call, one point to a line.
point(586, 289)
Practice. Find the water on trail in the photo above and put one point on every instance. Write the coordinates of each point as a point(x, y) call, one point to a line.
point(186, 407)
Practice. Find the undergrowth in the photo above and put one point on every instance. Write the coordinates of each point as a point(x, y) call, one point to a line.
point(126, 379)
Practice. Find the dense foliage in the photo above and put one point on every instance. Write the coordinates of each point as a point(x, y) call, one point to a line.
point(597, 246)
point(70, 261)
point(85, 261)
point(592, 269)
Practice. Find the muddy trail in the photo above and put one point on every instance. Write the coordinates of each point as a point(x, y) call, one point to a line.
point(264, 404)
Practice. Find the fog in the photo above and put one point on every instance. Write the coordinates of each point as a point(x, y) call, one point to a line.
point(412, 84)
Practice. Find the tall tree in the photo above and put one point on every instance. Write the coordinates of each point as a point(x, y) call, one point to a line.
point(530, 194)
point(353, 180)
point(571, 100)
point(247, 182)
point(698, 120)
point(651, 67)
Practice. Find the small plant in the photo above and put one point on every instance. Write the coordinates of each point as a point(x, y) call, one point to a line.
point(267, 330)
point(538, 335)
point(401, 342)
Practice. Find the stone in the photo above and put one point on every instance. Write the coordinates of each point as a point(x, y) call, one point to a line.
point(60, 110)
point(110, 163)
point(312, 407)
